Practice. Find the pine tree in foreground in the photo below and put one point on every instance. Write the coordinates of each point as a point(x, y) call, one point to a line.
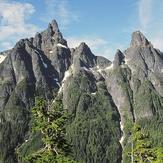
point(50, 121)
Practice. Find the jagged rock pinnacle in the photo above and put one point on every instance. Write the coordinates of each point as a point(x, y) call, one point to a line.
point(83, 48)
point(54, 25)
point(118, 59)
point(83, 45)
point(83, 57)
point(138, 39)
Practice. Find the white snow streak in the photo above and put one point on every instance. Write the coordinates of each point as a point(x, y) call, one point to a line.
point(67, 75)
point(100, 70)
point(161, 70)
point(61, 45)
point(122, 138)
point(109, 67)
point(56, 80)
point(2, 57)
point(84, 68)
point(45, 65)
point(126, 60)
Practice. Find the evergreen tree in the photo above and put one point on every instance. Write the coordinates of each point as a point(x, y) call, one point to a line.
point(50, 121)
point(142, 150)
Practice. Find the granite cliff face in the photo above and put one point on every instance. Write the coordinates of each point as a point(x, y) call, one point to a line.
point(104, 98)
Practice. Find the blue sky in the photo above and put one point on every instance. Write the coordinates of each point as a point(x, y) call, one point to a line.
point(105, 25)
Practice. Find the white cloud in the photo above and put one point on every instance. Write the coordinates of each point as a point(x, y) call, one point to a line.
point(98, 45)
point(145, 12)
point(157, 39)
point(93, 41)
point(150, 16)
point(6, 45)
point(60, 9)
point(13, 22)
point(158, 43)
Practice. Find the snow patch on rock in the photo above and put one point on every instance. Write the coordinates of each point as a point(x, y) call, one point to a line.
point(92, 70)
point(161, 71)
point(44, 64)
point(68, 73)
point(57, 82)
point(61, 45)
point(109, 67)
point(122, 138)
point(101, 70)
point(126, 60)
point(2, 58)
point(84, 68)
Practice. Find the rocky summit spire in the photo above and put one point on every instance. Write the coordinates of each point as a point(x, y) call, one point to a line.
point(139, 40)
point(83, 57)
point(118, 59)
point(84, 50)
point(83, 46)
point(53, 24)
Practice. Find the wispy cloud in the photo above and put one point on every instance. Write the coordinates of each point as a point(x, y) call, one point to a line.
point(145, 12)
point(13, 22)
point(60, 9)
point(158, 42)
point(98, 45)
point(93, 41)
point(150, 17)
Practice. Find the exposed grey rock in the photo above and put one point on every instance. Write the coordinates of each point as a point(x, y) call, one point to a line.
point(30, 69)
point(117, 82)
point(54, 25)
point(102, 62)
point(60, 60)
point(83, 58)
point(6, 52)
point(144, 61)
point(118, 59)
point(138, 39)
point(37, 40)
point(49, 38)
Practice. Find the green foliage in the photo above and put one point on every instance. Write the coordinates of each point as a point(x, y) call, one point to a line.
point(47, 156)
point(147, 104)
point(50, 122)
point(142, 149)
point(93, 129)
point(31, 145)
point(155, 129)
point(147, 101)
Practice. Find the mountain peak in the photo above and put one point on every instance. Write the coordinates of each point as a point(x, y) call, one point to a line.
point(83, 47)
point(139, 40)
point(83, 57)
point(54, 25)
